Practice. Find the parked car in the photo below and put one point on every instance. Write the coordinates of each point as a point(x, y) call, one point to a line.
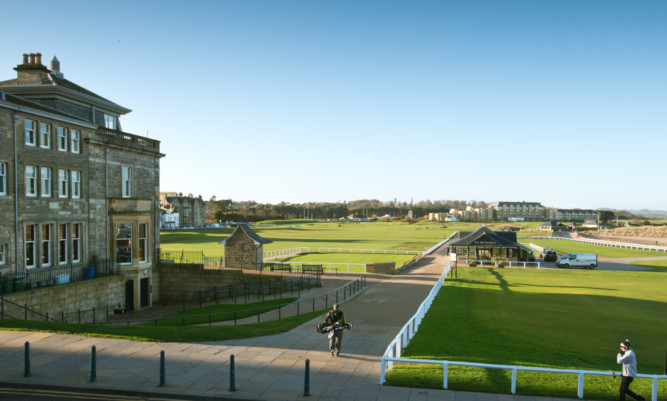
point(549, 255)
point(585, 260)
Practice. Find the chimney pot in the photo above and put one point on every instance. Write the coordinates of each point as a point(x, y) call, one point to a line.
point(32, 58)
point(38, 58)
point(25, 58)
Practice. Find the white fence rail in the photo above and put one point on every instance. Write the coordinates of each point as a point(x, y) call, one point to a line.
point(505, 263)
point(581, 373)
point(284, 252)
point(368, 251)
point(409, 329)
point(609, 244)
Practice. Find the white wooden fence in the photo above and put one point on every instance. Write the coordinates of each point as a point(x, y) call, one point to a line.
point(407, 333)
point(609, 244)
point(368, 251)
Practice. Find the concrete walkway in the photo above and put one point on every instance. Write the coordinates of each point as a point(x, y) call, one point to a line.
point(267, 368)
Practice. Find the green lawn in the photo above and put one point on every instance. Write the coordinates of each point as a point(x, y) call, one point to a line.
point(549, 318)
point(372, 235)
point(564, 246)
point(220, 313)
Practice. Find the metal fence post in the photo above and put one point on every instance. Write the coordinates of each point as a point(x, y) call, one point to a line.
point(162, 370)
point(26, 366)
point(306, 384)
point(93, 364)
point(232, 374)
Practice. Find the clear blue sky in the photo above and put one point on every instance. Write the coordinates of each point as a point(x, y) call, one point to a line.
point(562, 102)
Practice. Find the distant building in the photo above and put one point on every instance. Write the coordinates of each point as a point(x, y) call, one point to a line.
point(190, 211)
point(530, 211)
point(573, 214)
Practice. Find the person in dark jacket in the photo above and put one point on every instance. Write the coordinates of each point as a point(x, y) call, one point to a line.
point(336, 318)
point(626, 357)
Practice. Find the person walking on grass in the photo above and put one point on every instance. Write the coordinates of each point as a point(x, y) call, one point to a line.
point(335, 318)
point(626, 357)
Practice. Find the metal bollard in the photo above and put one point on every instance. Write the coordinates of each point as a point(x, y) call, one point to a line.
point(26, 369)
point(306, 384)
point(162, 370)
point(232, 374)
point(93, 364)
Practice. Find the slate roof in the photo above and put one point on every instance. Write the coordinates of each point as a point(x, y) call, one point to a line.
point(250, 233)
point(19, 101)
point(501, 238)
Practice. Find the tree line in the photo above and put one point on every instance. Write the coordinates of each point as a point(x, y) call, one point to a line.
point(229, 210)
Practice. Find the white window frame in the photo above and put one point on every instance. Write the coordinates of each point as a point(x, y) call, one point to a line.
point(31, 181)
point(143, 243)
point(62, 139)
point(76, 184)
point(30, 243)
point(3, 178)
point(45, 135)
point(76, 242)
point(45, 179)
point(63, 183)
point(30, 132)
point(45, 241)
point(75, 141)
point(110, 122)
point(126, 180)
point(63, 238)
point(3, 254)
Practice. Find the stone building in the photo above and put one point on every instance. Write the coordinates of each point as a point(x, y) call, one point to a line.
point(74, 188)
point(573, 214)
point(244, 248)
point(530, 211)
point(191, 211)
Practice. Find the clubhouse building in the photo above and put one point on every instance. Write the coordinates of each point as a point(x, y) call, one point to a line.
point(486, 244)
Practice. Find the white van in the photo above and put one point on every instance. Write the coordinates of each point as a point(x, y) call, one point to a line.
point(585, 260)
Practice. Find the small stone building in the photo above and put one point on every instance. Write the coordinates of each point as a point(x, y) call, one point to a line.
point(244, 248)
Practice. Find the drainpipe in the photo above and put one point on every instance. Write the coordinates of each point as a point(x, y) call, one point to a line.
point(15, 118)
point(106, 201)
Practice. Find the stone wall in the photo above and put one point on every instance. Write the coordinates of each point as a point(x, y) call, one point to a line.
point(381, 267)
point(100, 293)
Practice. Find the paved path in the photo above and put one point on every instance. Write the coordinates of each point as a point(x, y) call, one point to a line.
point(267, 368)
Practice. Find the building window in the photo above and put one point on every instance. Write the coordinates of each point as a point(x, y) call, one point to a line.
point(127, 182)
point(124, 243)
point(76, 243)
point(63, 184)
point(30, 181)
point(62, 139)
point(45, 135)
point(3, 254)
point(30, 138)
point(45, 175)
point(110, 121)
point(75, 137)
point(143, 242)
point(76, 184)
point(46, 245)
point(30, 246)
point(3, 178)
point(62, 243)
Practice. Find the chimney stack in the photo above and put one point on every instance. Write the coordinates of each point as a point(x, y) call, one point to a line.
point(32, 71)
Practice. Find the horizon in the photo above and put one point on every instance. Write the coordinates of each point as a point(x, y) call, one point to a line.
point(562, 102)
